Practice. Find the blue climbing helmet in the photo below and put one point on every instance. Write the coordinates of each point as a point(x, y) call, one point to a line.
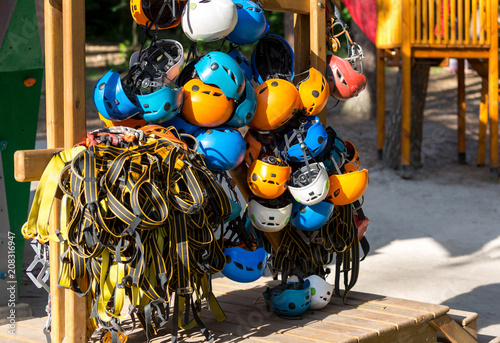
point(290, 299)
point(242, 62)
point(251, 25)
point(219, 69)
point(310, 217)
point(160, 105)
point(273, 58)
point(223, 147)
point(244, 265)
point(181, 125)
point(310, 132)
point(245, 108)
point(111, 99)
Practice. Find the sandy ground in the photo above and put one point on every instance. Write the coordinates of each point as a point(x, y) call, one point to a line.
point(434, 238)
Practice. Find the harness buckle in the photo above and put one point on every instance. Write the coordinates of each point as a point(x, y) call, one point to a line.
point(184, 291)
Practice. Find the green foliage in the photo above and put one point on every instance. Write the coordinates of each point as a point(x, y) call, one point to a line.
point(111, 21)
point(108, 20)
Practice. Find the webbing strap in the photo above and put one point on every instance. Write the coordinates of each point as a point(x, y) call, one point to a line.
point(38, 217)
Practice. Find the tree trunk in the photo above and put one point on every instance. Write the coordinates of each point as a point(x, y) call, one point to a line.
point(392, 144)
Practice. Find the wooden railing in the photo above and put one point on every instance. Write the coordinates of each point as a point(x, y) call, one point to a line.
point(448, 23)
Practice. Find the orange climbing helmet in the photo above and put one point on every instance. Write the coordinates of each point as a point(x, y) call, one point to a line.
point(277, 101)
point(267, 177)
point(347, 188)
point(167, 14)
point(205, 105)
point(352, 159)
point(314, 92)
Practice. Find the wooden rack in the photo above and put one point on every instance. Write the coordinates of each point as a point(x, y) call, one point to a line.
point(66, 116)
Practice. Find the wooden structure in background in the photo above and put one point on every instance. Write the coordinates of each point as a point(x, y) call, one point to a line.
point(66, 125)
point(464, 29)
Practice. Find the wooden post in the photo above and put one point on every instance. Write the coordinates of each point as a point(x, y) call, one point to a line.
point(483, 122)
point(74, 131)
point(493, 90)
point(380, 103)
point(461, 110)
point(301, 42)
point(317, 41)
point(406, 92)
point(54, 128)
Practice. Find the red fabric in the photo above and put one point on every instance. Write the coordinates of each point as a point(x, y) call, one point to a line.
point(362, 225)
point(364, 14)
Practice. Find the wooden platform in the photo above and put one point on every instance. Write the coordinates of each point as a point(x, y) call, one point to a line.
point(367, 318)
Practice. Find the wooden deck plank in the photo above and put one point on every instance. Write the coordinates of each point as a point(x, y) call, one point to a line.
point(266, 332)
point(318, 323)
point(436, 310)
point(373, 309)
point(245, 311)
point(420, 315)
point(380, 316)
point(378, 327)
point(415, 334)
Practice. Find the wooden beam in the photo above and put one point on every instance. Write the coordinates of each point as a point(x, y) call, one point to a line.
point(301, 42)
point(452, 52)
point(301, 7)
point(74, 71)
point(461, 110)
point(451, 330)
point(74, 131)
point(380, 102)
point(30, 164)
point(493, 90)
point(483, 122)
point(406, 91)
point(317, 40)
point(54, 124)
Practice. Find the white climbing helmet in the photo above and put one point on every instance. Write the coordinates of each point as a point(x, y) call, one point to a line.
point(269, 215)
point(321, 291)
point(208, 20)
point(310, 184)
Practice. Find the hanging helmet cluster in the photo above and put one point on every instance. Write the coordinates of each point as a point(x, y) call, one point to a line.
point(142, 203)
point(305, 163)
point(148, 89)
